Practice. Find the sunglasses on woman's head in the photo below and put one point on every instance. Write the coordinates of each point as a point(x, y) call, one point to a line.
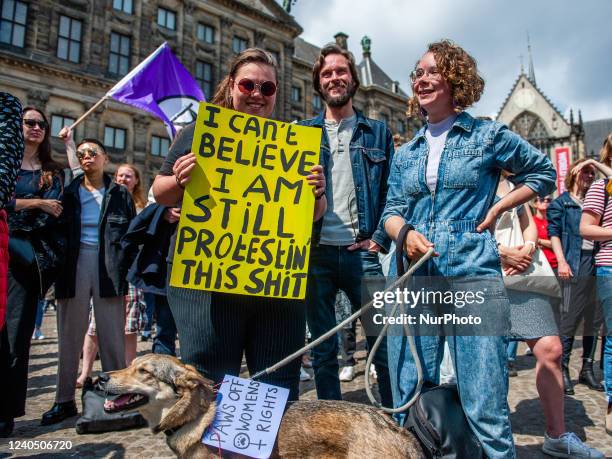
point(247, 86)
point(31, 123)
point(92, 152)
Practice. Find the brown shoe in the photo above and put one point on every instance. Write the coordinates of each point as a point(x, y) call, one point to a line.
point(609, 419)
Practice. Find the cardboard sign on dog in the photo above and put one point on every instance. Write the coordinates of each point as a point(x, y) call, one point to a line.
point(247, 211)
point(247, 418)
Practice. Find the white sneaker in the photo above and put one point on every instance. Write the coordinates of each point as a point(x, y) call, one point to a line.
point(347, 373)
point(37, 335)
point(304, 375)
point(373, 374)
point(569, 445)
point(528, 351)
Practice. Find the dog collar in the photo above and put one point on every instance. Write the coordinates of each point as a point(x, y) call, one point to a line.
point(170, 432)
point(167, 432)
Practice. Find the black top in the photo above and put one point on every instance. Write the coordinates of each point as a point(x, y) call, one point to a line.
point(115, 215)
point(180, 147)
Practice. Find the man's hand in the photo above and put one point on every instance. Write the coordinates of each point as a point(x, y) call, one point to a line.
point(367, 244)
point(172, 214)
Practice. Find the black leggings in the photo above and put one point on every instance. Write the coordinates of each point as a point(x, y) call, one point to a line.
point(215, 329)
point(15, 338)
point(583, 308)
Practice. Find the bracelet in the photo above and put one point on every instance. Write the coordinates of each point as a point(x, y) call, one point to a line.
point(320, 196)
point(178, 182)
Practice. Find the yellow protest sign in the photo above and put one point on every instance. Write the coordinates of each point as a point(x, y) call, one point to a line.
point(246, 218)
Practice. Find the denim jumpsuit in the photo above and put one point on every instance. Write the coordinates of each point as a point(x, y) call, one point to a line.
point(474, 154)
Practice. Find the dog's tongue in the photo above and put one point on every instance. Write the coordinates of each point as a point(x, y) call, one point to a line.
point(118, 403)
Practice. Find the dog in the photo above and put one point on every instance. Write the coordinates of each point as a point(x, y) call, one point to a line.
point(175, 399)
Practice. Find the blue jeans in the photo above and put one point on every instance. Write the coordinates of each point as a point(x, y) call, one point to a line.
point(482, 380)
point(512, 348)
point(481, 362)
point(40, 313)
point(334, 268)
point(149, 299)
point(604, 290)
point(165, 336)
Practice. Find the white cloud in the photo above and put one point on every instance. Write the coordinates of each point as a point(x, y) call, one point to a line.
point(571, 41)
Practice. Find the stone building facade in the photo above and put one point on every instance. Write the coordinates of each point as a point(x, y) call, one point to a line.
point(532, 115)
point(528, 112)
point(63, 56)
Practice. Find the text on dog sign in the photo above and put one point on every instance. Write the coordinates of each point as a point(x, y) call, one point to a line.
point(247, 418)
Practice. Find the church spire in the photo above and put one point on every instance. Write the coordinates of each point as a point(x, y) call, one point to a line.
point(531, 74)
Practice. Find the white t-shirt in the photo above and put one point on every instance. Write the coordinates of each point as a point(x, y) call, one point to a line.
point(435, 134)
point(91, 204)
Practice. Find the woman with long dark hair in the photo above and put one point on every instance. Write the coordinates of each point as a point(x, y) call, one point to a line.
point(36, 247)
point(216, 329)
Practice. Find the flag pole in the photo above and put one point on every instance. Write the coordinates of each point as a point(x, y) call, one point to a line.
point(88, 112)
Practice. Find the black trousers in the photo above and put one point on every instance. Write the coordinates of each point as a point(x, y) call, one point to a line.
point(22, 301)
point(583, 308)
point(216, 329)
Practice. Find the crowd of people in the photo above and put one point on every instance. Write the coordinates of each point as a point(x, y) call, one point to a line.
point(452, 189)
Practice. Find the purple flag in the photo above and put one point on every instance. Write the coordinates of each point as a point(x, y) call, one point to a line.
point(161, 86)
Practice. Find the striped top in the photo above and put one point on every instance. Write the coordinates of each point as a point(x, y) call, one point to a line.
point(594, 202)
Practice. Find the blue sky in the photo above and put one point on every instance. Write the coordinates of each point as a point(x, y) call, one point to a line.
point(571, 42)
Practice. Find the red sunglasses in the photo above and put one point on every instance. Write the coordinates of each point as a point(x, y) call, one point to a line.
point(247, 86)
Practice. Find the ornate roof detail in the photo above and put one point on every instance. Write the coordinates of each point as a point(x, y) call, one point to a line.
point(372, 75)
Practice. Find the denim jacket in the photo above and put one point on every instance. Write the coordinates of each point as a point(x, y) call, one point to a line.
point(474, 154)
point(371, 150)
point(563, 216)
point(115, 215)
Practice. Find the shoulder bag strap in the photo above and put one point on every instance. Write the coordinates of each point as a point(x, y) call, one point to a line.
point(399, 248)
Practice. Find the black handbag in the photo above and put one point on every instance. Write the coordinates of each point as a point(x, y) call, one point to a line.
point(438, 421)
point(436, 418)
point(21, 252)
point(95, 420)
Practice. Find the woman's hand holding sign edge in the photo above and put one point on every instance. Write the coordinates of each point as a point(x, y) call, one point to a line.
point(317, 180)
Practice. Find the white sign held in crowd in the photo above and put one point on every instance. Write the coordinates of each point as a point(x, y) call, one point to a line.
point(248, 416)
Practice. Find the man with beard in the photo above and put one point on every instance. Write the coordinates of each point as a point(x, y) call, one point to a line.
point(356, 154)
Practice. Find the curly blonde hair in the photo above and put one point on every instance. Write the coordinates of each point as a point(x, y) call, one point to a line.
point(460, 71)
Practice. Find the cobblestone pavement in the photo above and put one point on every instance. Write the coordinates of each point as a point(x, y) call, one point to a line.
point(584, 412)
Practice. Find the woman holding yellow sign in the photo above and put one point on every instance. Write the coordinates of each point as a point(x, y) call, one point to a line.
point(216, 328)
